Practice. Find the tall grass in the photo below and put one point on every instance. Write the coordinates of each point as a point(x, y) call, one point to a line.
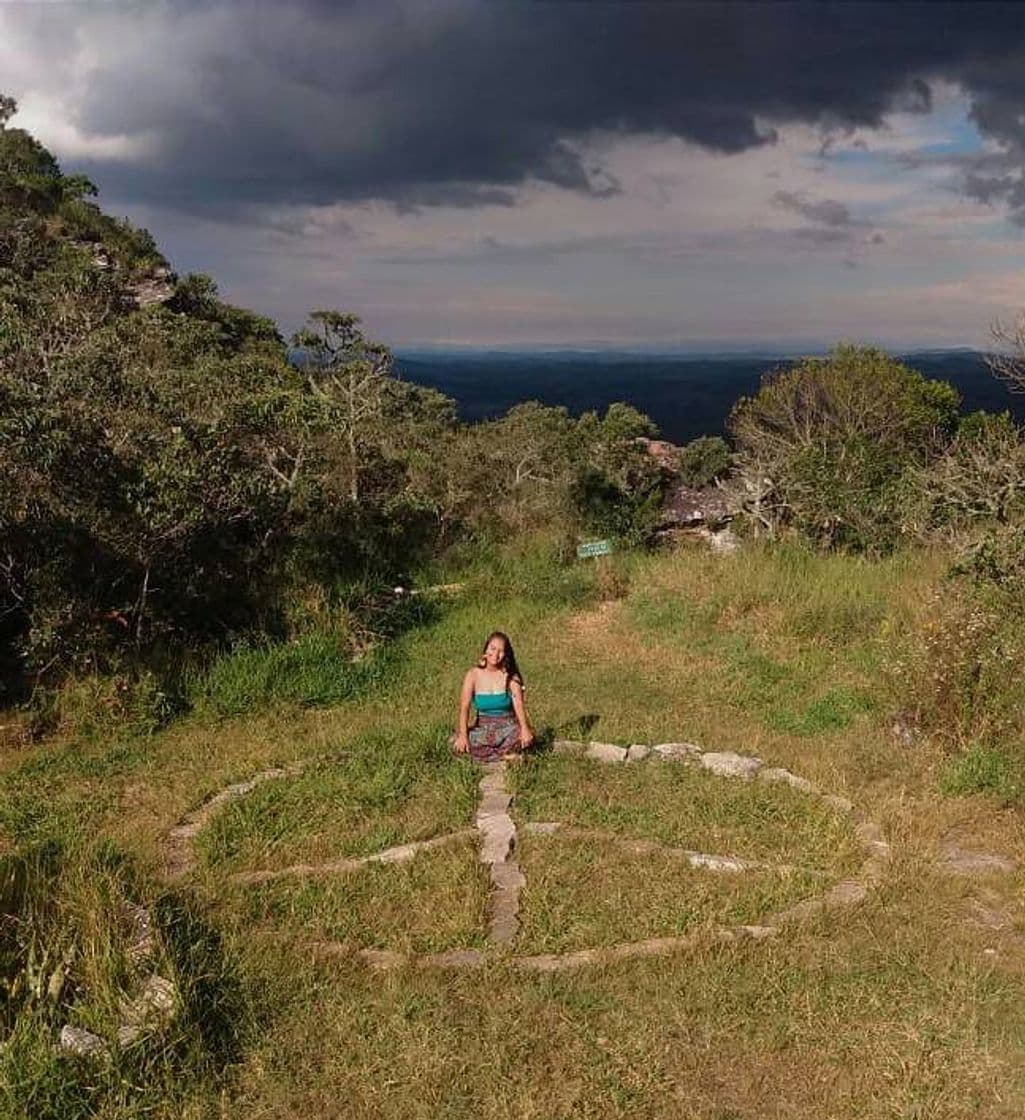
point(316, 670)
point(66, 957)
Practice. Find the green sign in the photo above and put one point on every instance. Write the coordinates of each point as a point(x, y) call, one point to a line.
point(594, 548)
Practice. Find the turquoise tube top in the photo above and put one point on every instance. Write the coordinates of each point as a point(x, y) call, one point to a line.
point(493, 703)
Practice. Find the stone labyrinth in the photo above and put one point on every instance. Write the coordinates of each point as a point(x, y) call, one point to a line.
point(496, 834)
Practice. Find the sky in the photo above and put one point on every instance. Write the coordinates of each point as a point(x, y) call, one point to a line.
point(556, 173)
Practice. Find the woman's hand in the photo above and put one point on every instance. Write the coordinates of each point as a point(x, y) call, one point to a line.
point(461, 744)
point(526, 737)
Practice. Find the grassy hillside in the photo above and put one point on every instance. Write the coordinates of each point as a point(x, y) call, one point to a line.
point(907, 1005)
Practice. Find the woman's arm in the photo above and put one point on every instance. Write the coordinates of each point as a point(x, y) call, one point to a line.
point(520, 708)
point(463, 726)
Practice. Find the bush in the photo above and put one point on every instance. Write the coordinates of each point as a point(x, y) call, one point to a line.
point(978, 481)
point(825, 446)
point(961, 674)
point(704, 460)
point(995, 560)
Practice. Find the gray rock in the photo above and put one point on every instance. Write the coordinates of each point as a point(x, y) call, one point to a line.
point(722, 540)
point(637, 752)
point(382, 960)
point(757, 933)
point(605, 752)
point(508, 881)
point(847, 893)
point(777, 774)
point(870, 835)
point(154, 1005)
point(494, 803)
point(677, 752)
point(82, 1043)
point(497, 837)
point(728, 764)
point(401, 853)
point(708, 862)
point(988, 917)
point(142, 944)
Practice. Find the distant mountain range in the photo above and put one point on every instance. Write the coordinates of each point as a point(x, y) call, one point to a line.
point(687, 395)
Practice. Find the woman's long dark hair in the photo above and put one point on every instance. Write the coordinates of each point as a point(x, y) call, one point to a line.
point(512, 670)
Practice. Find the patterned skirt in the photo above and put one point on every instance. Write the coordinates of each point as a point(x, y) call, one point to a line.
point(493, 737)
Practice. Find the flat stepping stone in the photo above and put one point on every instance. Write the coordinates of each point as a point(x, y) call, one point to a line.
point(568, 746)
point(497, 832)
point(637, 752)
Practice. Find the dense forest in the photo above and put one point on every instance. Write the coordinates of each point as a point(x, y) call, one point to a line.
point(170, 481)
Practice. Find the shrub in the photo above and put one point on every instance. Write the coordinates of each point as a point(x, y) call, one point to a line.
point(995, 559)
point(961, 674)
point(824, 446)
point(704, 460)
point(980, 479)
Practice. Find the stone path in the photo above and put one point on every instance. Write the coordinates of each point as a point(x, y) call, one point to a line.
point(179, 848)
point(496, 832)
point(401, 853)
point(700, 861)
point(151, 1005)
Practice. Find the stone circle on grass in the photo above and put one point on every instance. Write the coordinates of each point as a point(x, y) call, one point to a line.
point(497, 835)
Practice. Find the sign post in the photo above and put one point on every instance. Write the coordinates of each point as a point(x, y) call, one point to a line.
point(594, 548)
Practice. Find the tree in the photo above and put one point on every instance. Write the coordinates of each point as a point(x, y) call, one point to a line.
point(979, 480)
point(825, 444)
point(351, 374)
point(1008, 362)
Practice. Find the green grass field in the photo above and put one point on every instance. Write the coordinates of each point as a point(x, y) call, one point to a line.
point(908, 1006)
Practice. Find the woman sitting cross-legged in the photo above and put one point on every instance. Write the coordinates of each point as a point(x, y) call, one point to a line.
point(494, 686)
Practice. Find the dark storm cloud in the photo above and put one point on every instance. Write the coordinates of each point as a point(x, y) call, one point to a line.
point(454, 102)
